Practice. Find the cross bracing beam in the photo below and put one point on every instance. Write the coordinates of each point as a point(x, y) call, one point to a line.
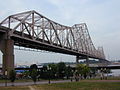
point(35, 27)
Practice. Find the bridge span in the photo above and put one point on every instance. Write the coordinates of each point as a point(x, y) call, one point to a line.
point(108, 67)
point(33, 30)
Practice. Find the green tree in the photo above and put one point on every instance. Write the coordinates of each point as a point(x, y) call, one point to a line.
point(83, 70)
point(106, 70)
point(93, 72)
point(53, 71)
point(44, 73)
point(61, 67)
point(68, 72)
point(12, 76)
point(33, 66)
point(33, 75)
point(33, 72)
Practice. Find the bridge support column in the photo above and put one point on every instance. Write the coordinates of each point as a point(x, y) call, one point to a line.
point(8, 55)
point(87, 61)
point(77, 59)
point(86, 58)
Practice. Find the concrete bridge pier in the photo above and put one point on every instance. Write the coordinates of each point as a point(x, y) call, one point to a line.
point(7, 48)
point(80, 57)
point(77, 59)
point(87, 61)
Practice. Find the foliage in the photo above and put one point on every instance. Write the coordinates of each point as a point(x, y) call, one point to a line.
point(33, 75)
point(56, 71)
point(43, 73)
point(33, 66)
point(106, 70)
point(53, 70)
point(33, 72)
point(68, 72)
point(61, 67)
point(94, 70)
point(83, 70)
point(26, 74)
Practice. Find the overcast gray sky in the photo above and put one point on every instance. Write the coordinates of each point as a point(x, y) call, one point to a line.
point(101, 16)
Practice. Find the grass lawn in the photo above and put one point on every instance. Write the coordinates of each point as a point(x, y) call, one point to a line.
point(15, 88)
point(108, 78)
point(70, 86)
point(81, 86)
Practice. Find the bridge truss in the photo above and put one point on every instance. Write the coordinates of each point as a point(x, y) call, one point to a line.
point(37, 28)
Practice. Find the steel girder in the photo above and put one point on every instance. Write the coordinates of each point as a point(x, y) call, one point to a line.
point(38, 27)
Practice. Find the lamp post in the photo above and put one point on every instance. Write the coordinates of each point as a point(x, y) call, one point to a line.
point(49, 69)
point(76, 75)
point(6, 77)
point(72, 75)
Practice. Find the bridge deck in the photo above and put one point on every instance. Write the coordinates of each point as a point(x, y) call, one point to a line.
point(26, 41)
point(33, 30)
point(107, 67)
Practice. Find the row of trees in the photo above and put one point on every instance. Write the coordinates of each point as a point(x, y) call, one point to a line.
point(55, 71)
point(59, 71)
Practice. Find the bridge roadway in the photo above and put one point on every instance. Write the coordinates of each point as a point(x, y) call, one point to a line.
point(33, 30)
point(39, 44)
point(108, 67)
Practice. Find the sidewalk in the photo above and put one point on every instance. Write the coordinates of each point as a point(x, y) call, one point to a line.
point(32, 83)
point(58, 81)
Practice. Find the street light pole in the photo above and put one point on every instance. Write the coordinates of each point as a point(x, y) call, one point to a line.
point(6, 78)
point(49, 78)
point(49, 68)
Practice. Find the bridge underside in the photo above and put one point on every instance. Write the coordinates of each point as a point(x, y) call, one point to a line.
point(7, 48)
point(28, 43)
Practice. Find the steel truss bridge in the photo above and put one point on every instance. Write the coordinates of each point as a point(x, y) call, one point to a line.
point(33, 30)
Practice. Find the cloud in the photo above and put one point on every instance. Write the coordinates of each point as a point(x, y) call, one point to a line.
point(101, 16)
point(9, 7)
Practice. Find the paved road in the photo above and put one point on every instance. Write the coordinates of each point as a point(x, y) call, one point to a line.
point(31, 83)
